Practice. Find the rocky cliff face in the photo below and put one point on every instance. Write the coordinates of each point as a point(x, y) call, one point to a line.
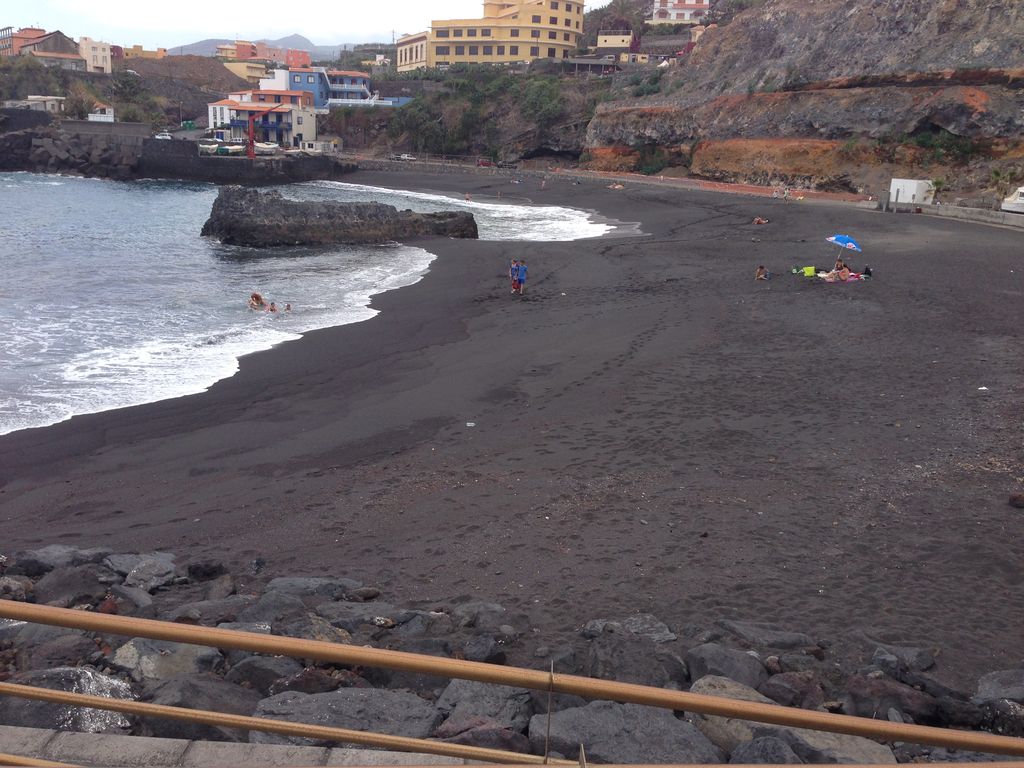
point(869, 76)
point(259, 219)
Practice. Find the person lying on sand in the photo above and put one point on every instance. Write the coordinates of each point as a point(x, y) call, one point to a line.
point(760, 220)
point(762, 273)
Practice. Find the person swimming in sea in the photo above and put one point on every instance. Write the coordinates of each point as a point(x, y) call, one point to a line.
point(256, 301)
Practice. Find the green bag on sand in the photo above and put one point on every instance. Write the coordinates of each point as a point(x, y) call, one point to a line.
point(810, 272)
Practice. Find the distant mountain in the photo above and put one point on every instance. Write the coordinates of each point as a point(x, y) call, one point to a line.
point(208, 47)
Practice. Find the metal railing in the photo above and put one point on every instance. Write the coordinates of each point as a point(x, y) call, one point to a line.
point(461, 669)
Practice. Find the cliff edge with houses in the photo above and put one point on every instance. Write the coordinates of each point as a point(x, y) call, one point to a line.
point(837, 94)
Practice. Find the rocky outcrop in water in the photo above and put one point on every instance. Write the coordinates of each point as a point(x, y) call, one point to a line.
point(261, 219)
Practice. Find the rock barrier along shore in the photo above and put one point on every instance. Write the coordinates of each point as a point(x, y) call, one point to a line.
point(124, 151)
point(753, 661)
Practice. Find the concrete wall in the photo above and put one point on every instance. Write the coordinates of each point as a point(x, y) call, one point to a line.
point(124, 751)
point(181, 160)
point(976, 214)
point(20, 119)
point(83, 127)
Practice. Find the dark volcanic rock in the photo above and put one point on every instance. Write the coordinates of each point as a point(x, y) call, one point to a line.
point(200, 691)
point(260, 219)
point(364, 709)
point(623, 733)
point(714, 659)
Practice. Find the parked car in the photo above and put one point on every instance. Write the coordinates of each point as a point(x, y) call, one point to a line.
point(483, 162)
point(406, 157)
point(163, 135)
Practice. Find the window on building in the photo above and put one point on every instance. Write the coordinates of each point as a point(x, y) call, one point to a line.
point(297, 78)
point(577, 25)
point(488, 50)
point(298, 119)
point(460, 50)
point(565, 36)
point(534, 50)
point(310, 79)
point(535, 19)
point(534, 33)
point(568, 7)
point(554, 5)
point(441, 50)
point(513, 33)
point(485, 33)
point(568, 22)
point(457, 32)
point(552, 19)
point(474, 50)
point(513, 50)
point(501, 50)
point(565, 54)
point(470, 33)
point(551, 53)
point(441, 33)
point(552, 35)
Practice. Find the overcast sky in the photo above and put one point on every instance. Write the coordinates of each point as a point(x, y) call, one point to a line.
point(179, 22)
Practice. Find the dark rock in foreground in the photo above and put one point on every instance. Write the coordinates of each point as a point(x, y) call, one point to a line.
point(261, 219)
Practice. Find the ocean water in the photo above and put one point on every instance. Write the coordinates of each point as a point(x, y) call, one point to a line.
point(110, 298)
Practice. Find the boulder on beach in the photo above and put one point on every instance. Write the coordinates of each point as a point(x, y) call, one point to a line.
point(243, 216)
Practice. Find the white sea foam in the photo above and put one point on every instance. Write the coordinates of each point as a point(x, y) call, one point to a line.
point(157, 314)
point(495, 220)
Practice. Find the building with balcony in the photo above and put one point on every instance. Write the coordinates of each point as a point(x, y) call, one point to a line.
point(96, 54)
point(509, 31)
point(679, 11)
point(11, 42)
point(314, 80)
point(290, 122)
point(349, 86)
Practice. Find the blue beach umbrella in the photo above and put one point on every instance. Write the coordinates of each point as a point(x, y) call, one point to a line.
point(844, 241)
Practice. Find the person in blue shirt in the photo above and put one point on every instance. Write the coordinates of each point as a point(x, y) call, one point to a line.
point(522, 277)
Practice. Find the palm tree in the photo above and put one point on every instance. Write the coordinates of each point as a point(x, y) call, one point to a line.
point(631, 11)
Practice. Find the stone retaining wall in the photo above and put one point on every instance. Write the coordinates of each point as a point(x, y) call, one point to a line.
point(20, 119)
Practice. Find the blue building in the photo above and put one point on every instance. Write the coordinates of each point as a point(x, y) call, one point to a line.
point(313, 80)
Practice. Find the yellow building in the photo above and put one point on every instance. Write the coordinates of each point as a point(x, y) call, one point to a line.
point(510, 30)
point(250, 71)
point(138, 52)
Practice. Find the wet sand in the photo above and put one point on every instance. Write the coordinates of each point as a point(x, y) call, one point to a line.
point(654, 432)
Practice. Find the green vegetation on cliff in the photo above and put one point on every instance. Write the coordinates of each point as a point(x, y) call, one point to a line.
point(479, 110)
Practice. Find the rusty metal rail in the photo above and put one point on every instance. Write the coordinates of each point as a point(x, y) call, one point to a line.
point(524, 678)
point(326, 733)
point(6, 759)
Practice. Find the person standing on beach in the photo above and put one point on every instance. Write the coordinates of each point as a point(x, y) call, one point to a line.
point(522, 277)
point(513, 275)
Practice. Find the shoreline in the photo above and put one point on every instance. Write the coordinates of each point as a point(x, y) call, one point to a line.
point(653, 432)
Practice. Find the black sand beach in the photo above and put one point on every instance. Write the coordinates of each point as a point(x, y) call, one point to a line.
point(653, 431)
